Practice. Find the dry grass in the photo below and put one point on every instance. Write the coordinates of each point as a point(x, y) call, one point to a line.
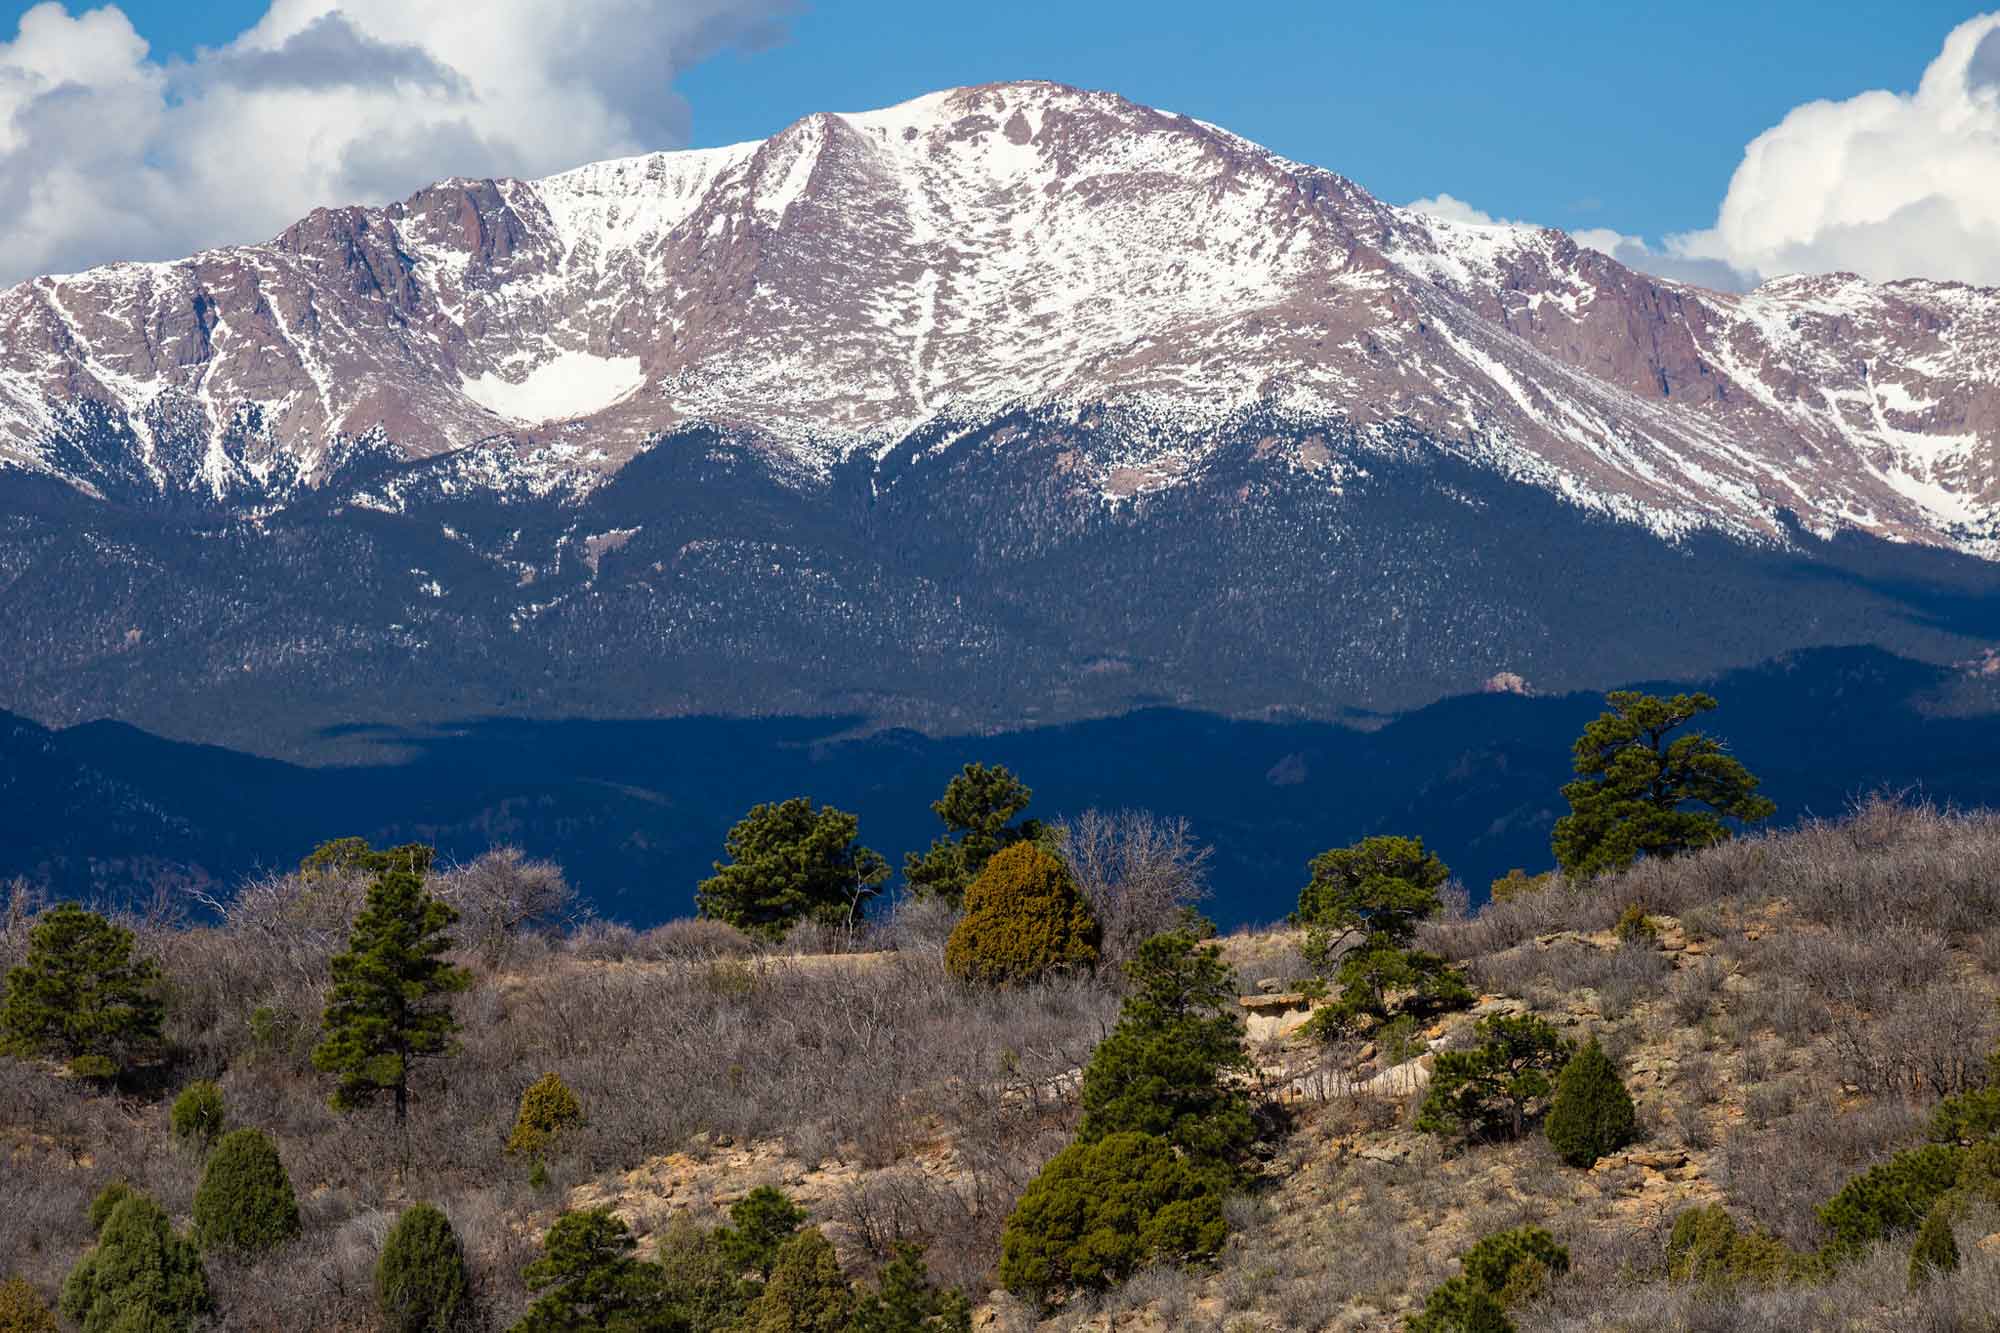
point(1839, 979)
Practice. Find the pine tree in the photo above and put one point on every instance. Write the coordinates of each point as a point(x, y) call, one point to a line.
point(1889, 1197)
point(1936, 1249)
point(905, 1301)
point(702, 1289)
point(80, 996)
point(198, 1114)
point(1500, 1272)
point(1591, 1113)
point(388, 1007)
point(141, 1274)
point(1493, 1089)
point(106, 1203)
point(245, 1200)
point(1361, 909)
point(759, 1225)
point(1166, 1068)
point(1637, 793)
point(1514, 1264)
point(421, 1283)
point(978, 808)
point(588, 1279)
point(548, 1108)
point(806, 1292)
point(789, 862)
point(1458, 1305)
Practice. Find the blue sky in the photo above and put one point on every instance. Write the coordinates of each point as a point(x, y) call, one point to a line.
point(1584, 116)
point(1577, 115)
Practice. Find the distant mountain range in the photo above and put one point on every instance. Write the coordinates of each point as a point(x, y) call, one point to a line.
point(1014, 404)
point(636, 811)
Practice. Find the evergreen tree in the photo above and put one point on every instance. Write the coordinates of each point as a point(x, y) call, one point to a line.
point(245, 1201)
point(789, 862)
point(80, 996)
point(389, 1008)
point(1024, 918)
point(588, 1279)
point(702, 1288)
point(548, 1108)
point(1492, 1089)
point(1637, 793)
point(1936, 1249)
point(806, 1292)
point(1591, 1113)
point(978, 808)
point(904, 1301)
point(759, 1225)
point(106, 1203)
point(139, 1275)
point(1361, 909)
point(1514, 1264)
point(1100, 1211)
point(1500, 1272)
point(1165, 1068)
point(421, 1282)
point(1457, 1305)
point(1384, 887)
point(1890, 1197)
point(1706, 1246)
point(198, 1114)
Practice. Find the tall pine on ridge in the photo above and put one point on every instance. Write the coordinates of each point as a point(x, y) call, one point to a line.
point(389, 1006)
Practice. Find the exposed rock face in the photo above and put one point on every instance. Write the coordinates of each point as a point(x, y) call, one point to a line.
point(855, 279)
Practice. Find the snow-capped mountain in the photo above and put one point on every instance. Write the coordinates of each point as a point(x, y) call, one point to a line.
point(855, 278)
point(1011, 402)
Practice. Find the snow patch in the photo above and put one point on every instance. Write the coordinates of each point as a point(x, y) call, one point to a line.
point(572, 384)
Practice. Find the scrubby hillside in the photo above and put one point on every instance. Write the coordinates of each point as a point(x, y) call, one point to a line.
point(1786, 1010)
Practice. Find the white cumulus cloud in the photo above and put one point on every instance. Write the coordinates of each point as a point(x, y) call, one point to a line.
point(108, 152)
point(1887, 185)
point(1631, 251)
point(1453, 209)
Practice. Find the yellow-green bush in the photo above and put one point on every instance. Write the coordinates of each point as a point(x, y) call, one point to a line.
point(1518, 883)
point(22, 1309)
point(548, 1108)
point(1707, 1246)
point(1024, 917)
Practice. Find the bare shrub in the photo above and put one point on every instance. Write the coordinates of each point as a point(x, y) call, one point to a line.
point(917, 926)
point(695, 938)
point(501, 895)
point(1778, 1176)
point(1786, 1007)
point(1621, 976)
point(598, 941)
point(1932, 1043)
point(1889, 866)
point(1850, 967)
point(296, 920)
point(1137, 870)
point(1693, 992)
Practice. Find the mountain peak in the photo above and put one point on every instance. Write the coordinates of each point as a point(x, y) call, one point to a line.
point(860, 277)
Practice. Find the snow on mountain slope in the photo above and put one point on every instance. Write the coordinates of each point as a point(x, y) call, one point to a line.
point(855, 278)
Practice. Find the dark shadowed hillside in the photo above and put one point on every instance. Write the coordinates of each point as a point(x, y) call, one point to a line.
point(636, 811)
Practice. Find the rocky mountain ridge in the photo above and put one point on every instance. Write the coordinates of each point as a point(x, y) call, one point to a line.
point(859, 284)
